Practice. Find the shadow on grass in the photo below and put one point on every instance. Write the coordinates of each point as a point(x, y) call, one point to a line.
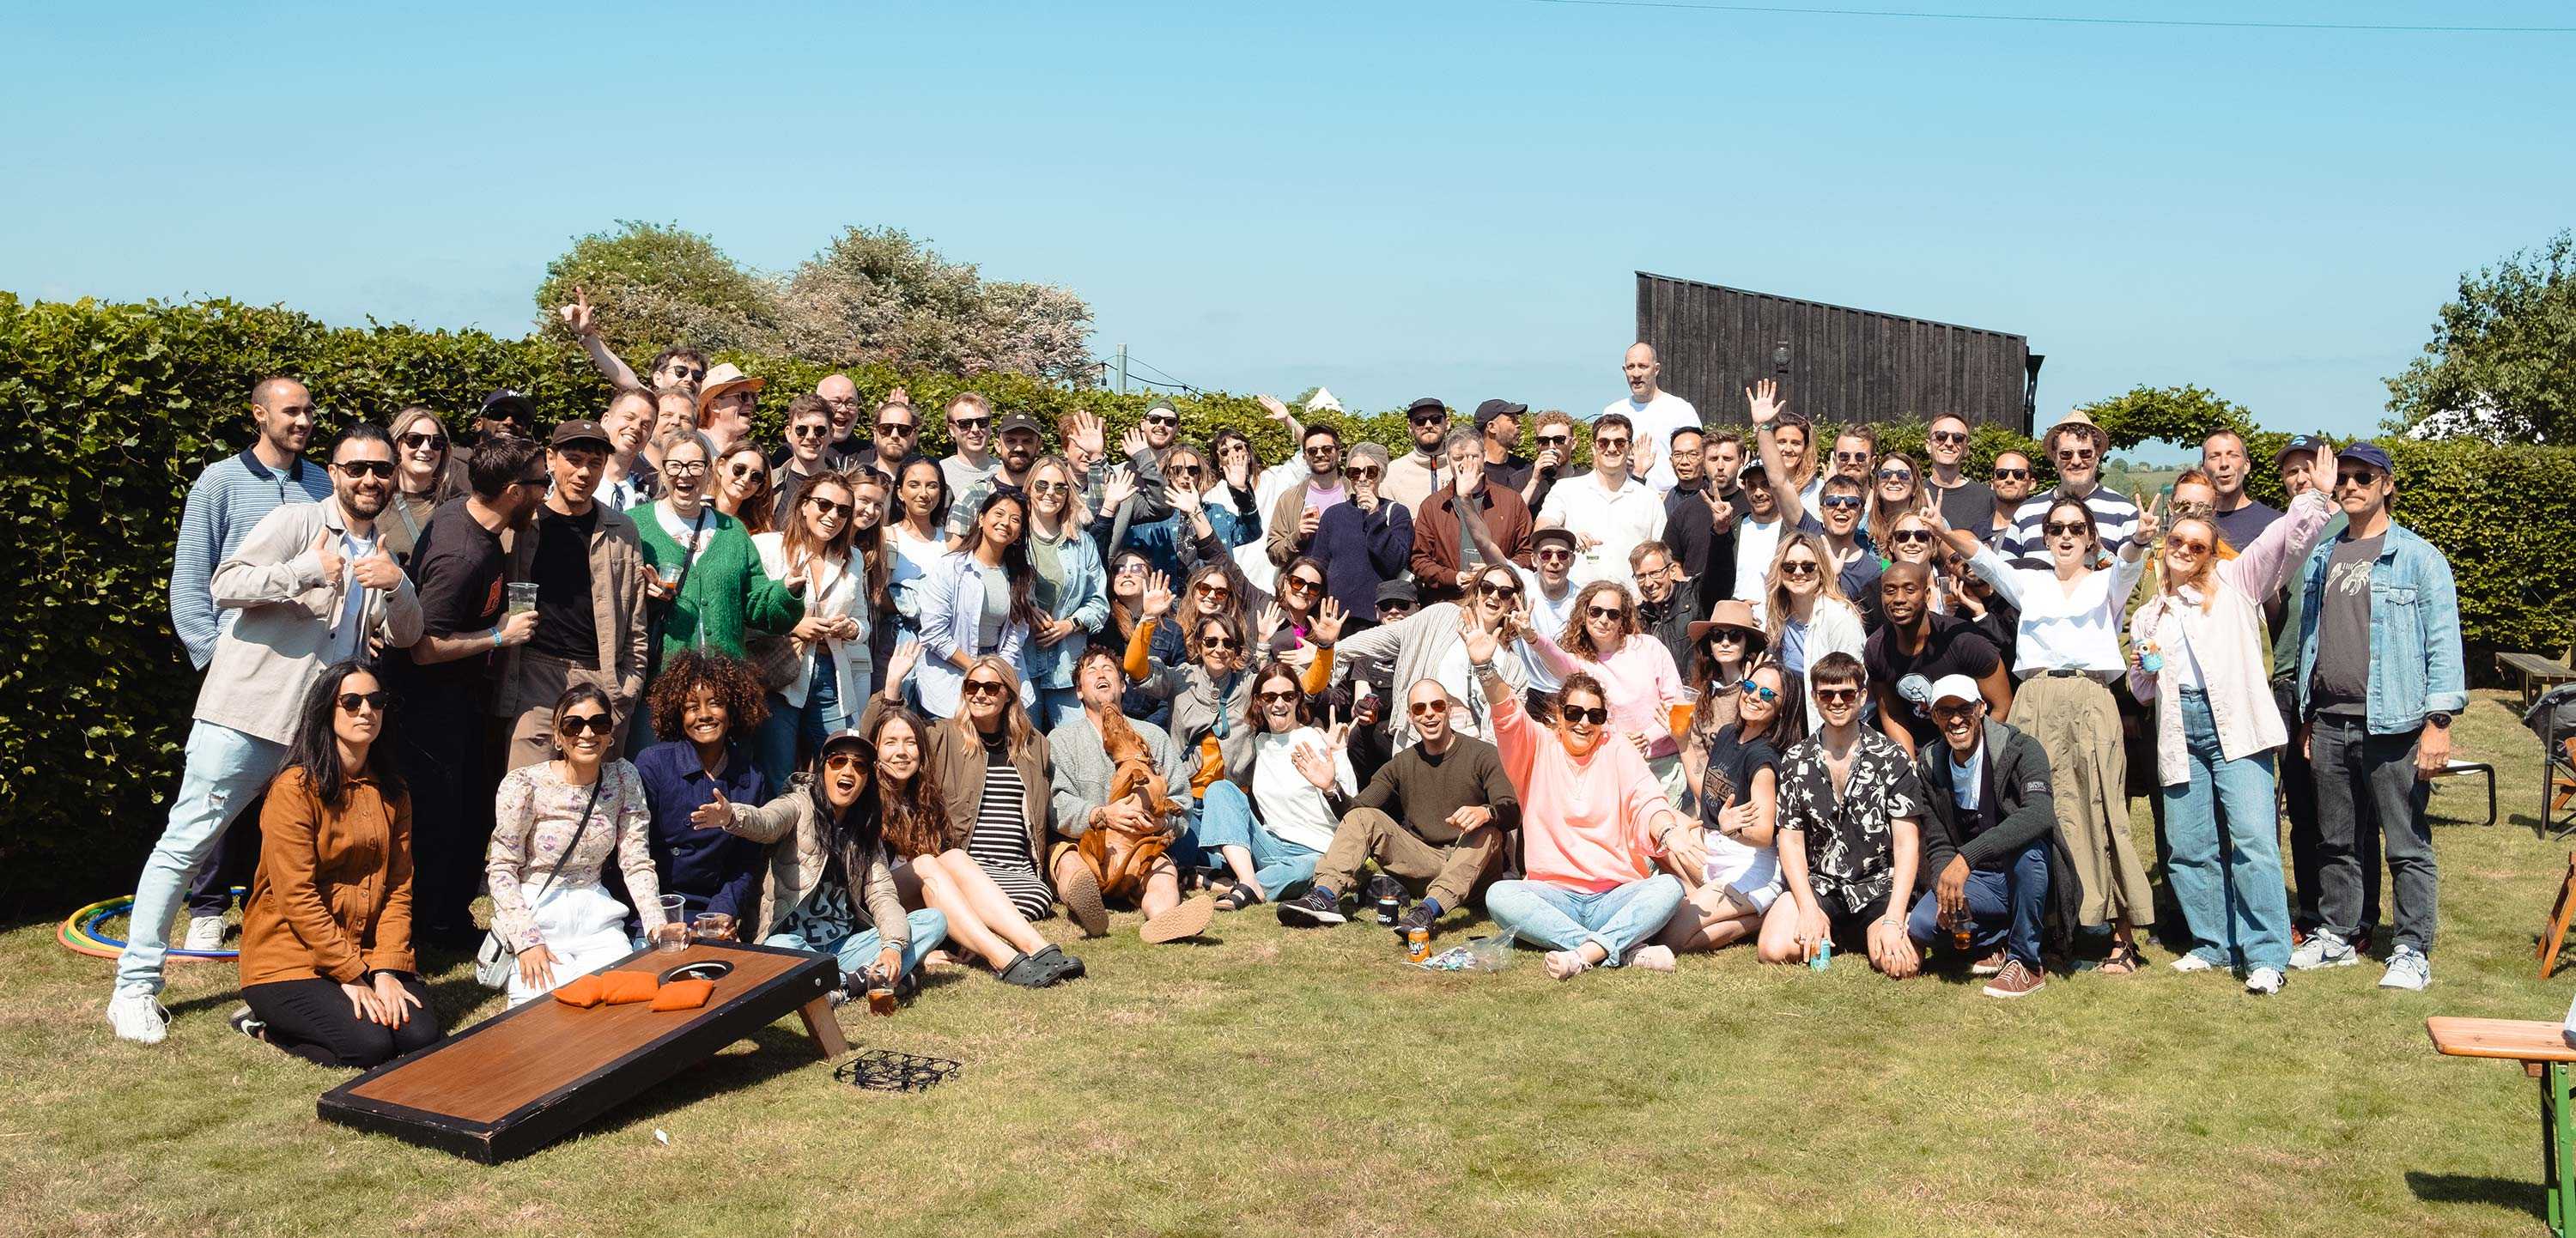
point(2511, 1195)
point(776, 1050)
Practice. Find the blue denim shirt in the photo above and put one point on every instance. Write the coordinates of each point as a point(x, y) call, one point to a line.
point(2415, 661)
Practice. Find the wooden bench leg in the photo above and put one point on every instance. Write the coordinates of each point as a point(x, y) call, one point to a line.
point(2554, 933)
point(825, 1029)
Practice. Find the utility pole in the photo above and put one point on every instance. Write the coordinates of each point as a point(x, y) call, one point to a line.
point(1122, 369)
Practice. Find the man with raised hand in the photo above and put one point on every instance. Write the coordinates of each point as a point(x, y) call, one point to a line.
point(1653, 412)
point(1467, 523)
point(310, 586)
point(1608, 510)
point(2380, 677)
point(675, 368)
point(1455, 805)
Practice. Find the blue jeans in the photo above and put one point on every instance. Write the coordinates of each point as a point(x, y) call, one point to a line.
point(1225, 820)
point(2009, 907)
point(1561, 919)
point(2233, 904)
point(225, 770)
point(790, 731)
point(859, 950)
point(1056, 706)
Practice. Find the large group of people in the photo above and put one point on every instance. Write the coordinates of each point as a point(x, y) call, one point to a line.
point(1672, 689)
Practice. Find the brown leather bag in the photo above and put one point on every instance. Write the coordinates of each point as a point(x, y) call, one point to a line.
point(1118, 858)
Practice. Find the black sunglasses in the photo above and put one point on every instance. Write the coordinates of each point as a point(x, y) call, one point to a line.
point(418, 441)
point(366, 468)
point(1597, 715)
point(830, 508)
point(596, 724)
point(350, 701)
point(2012, 474)
point(810, 431)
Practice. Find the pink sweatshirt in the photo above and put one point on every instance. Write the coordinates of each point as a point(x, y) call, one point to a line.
point(1584, 824)
point(1642, 682)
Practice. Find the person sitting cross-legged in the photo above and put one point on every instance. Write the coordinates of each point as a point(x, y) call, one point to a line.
point(1457, 804)
point(1986, 839)
point(1847, 830)
point(1593, 824)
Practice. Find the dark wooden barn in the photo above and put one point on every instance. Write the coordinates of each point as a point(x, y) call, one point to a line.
point(1834, 363)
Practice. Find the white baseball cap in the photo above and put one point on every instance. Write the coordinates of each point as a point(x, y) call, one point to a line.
point(1955, 688)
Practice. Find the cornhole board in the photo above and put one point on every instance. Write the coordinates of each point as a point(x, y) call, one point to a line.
point(526, 1077)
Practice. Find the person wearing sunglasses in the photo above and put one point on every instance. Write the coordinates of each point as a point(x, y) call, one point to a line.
point(1609, 511)
point(1844, 504)
point(1734, 891)
point(1424, 469)
point(326, 955)
point(742, 489)
point(1990, 844)
point(2380, 678)
point(443, 680)
point(701, 569)
point(1896, 490)
point(1070, 596)
point(2066, 653)
point(1466, 524)
point(809, 437)
point(1456, 805)
point(1019, 441)
point(556, 825)
point(1494, 603)
point(1300, 783)
point(673, 368)
point(1359, 544)
point(422, 478)
point(1805, 614)
point(1758, 529)
point(1964, 499)
point(1595, 824)
point(1847, 826)
point(895, 430)
point(970, 430)
point(2079, 449)
point(1632, 670)
point(1300, 507)
point(1918, 643)
point(2012, 480)
point(2217, 727)
point(827, 658)
point(310, 585)
point(1553, 432)
point(1723, 648)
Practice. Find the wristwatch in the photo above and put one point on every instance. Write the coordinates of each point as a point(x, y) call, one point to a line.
point(2442, 720)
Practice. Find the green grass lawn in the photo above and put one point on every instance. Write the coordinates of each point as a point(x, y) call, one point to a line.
point(1276, 1081)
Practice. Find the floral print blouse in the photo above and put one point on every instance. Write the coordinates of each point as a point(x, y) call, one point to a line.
point(535, 817)
point(1851, 837)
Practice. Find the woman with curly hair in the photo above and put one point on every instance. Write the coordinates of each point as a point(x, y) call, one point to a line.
point(970, 810)
point(711, 706)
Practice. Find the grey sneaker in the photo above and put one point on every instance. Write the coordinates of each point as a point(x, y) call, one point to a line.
point(2407, 969)
point(2323, 949)
point(2264, 982)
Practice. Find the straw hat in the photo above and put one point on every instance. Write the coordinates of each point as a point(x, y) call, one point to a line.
point(2077, 417)
point(724, 378)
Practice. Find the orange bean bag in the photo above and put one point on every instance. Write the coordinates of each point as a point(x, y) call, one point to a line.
point(620, 987)
point(583, 992)
point(683, 994)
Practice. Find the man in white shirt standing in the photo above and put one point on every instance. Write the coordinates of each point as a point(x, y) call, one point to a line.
point(1653, 413)
point(1608, 510)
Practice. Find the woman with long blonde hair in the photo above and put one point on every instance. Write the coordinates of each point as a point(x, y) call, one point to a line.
point(1805, 613)
point(932, 871)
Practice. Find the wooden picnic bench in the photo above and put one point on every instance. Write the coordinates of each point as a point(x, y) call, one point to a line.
point(2543, 1050)
point(2534, 674)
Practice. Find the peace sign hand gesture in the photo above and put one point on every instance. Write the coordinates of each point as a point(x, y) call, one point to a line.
point(2151, 519)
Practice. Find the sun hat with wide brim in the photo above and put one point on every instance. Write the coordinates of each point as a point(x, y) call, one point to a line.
point(2078, 418)
point(724, 378)
point(1730, 613)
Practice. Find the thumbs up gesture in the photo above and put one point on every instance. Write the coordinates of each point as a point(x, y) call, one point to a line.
point(328, 555)
point(715, 814)
point(378, 570)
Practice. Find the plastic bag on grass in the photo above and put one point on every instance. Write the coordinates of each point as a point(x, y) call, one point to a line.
point(1478, 954)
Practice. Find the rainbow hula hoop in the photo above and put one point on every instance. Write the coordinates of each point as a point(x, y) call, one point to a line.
point(79, 932)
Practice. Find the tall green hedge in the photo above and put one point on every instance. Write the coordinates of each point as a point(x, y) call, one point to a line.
point(113, 409)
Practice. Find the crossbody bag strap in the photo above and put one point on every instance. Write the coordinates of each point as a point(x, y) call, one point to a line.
point(577, 832)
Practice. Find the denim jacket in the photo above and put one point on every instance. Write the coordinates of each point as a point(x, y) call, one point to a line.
point(1084, 600)
point(2415, 660)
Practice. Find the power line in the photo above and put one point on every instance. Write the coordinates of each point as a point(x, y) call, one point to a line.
point(2047, 19)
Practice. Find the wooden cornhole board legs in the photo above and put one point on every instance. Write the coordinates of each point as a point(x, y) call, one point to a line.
point(526, 1077)
point(2554, 933)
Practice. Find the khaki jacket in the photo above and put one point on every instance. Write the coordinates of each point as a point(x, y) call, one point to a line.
point(796, 865)
point(958, 763)
point(616, 601)
point(273, 652)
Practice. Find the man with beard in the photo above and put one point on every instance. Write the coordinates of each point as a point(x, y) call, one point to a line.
point(1964, 501)
point(1412, 479)
point(1020, 443)
point(2010, 480)
point(1498, 424)
point(1916, 642)
point(2078, 446)
point(443, 681)
point(311, 584)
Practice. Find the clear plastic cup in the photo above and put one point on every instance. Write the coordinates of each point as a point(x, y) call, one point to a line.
point(673, 932)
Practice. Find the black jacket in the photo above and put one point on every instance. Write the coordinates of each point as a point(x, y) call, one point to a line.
point(2025, 809)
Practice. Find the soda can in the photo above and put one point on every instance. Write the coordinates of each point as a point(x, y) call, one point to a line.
point(1387, 909)
point(1417, 945)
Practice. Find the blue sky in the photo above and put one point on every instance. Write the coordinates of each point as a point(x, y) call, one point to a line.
point(1389, 199)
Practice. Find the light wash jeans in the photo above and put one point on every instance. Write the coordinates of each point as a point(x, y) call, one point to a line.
point(1225, 820)
point(859, 950)
point(2233, 905)
point(1562, 919)
point(1057, 706)
point(786, 731)
point(225, 770)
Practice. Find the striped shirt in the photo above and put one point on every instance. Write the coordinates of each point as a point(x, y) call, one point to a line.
point(1000, 842)
point(229, 497)
point(2114, 517)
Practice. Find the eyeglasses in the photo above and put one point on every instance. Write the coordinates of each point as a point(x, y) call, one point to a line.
point(809, 431)
point(1366, 474)
point(685, 468)
point(2187, 545)
point(1161, 419)
point(2077, 455)
point(1428, 709)
point(1907, 537)
point(1272, 698)
point(415, 442)
point(894, 427)
point(1852, 501)
point(1798, 567)
point(830, 508)
point(1050, 487)
point(1606, 612)
point(1554, 440)
point(1837, 696)
point(1947, 437)
point(575, 724)
point(969, 423)
point(374, 701)
point(2012, 474)
point(2062, 528)
point(1307, 583)
point(1757, 691)
point(1851, 457)
point(984, 687)
point(367, 468)
point(1131, 568)
point(1595, 716)
point(1207, 588)
point(839, 761)
point(1896, 474)
point(1219, 640)
point(1609, 444)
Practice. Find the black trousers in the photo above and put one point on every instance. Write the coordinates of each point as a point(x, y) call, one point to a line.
point(234, 863)
point(312, 1020)
point(446, 769)
point(2307, 850)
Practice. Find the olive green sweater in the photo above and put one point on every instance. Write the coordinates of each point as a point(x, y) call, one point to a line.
point(727, 594)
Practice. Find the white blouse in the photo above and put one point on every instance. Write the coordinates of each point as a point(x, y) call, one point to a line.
point(2065, 628)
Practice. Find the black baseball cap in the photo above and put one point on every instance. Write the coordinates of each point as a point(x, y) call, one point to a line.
point(2305, 444)
point(580, 430)
point(508, 404)
point(1427, 404)
point(1490, 409)
point(2370, 454)
point(1008, 422)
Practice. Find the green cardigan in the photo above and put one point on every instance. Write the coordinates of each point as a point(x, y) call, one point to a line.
point(728, 591)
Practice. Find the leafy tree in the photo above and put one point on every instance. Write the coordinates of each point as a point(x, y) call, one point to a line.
point(654, 285)
point(2502, 361)
point(876, 294)
point(2184, 414)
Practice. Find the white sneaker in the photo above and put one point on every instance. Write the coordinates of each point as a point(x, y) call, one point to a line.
point(2264, 982)
point(2407, 969)
point(204, 933)
point(138, 1017)
point(2190, 963)
point(2323, 949)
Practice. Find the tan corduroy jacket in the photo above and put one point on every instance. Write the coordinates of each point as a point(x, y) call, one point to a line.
point(264, 663)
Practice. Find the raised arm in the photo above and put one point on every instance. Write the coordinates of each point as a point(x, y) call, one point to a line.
point(1763, 403)
point(585, 328)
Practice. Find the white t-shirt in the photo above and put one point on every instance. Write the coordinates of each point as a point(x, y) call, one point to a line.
point(1616, 519)
point(1291, 808)
point(1549, 616)
point(1756, 543)
point(348, 628)
point(1655, 420)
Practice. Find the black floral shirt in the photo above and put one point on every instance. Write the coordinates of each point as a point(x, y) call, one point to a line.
point(1851, 843)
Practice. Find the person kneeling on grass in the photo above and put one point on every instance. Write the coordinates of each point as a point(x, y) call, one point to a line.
point(1593, 824)
point(1457, 805)
point(1986, 839)
point(1847, 831)
point(830, 888)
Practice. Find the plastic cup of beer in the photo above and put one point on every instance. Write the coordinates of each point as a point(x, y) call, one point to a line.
point(673, 932)
point(712, 926)
point(522, 595)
